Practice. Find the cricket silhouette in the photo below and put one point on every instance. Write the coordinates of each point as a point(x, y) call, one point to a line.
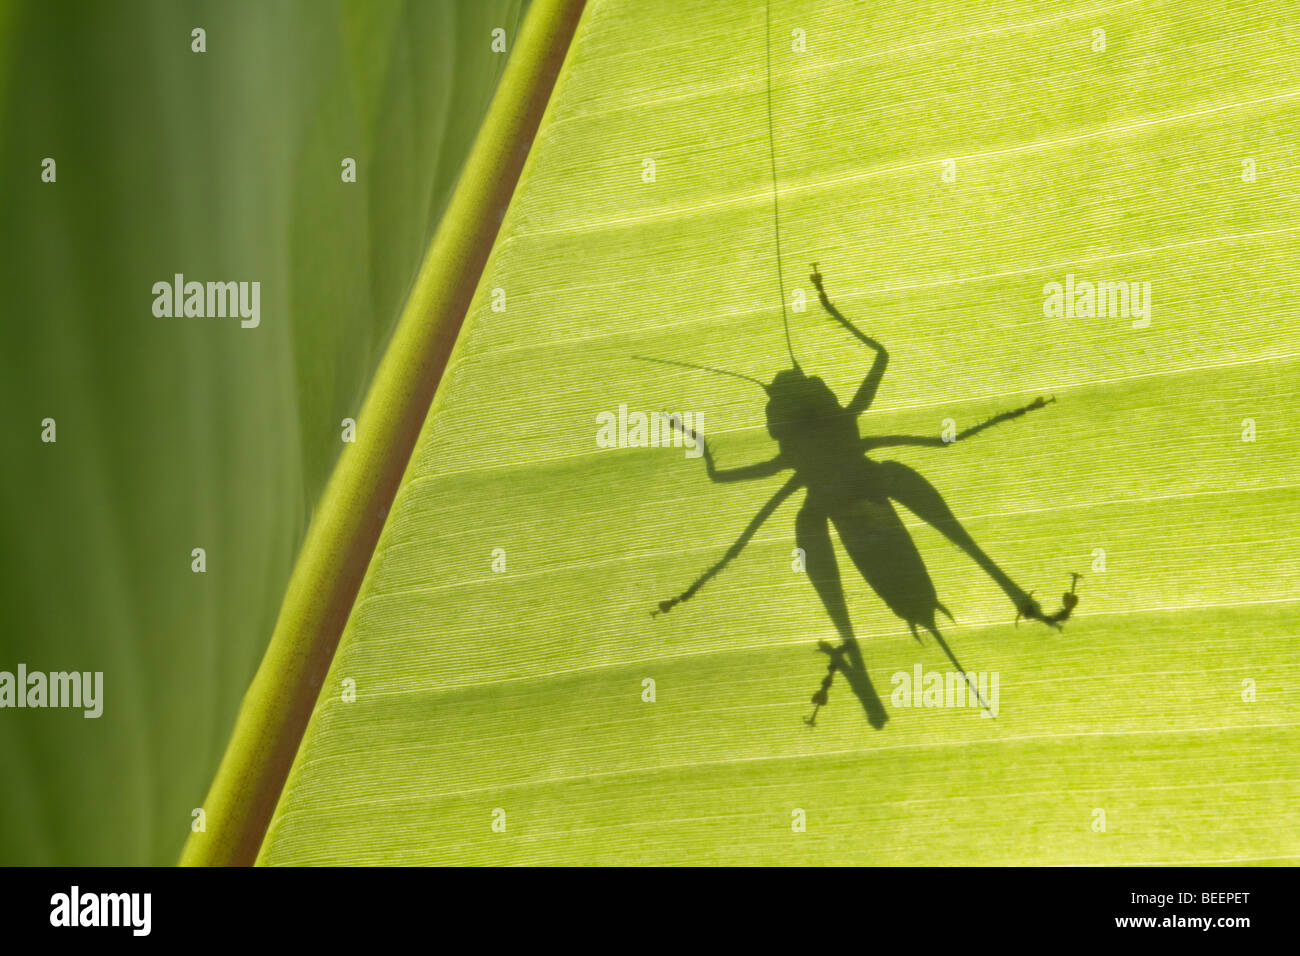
point(819, 440)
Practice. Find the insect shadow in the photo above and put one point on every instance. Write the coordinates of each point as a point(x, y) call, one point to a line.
point(820, 442)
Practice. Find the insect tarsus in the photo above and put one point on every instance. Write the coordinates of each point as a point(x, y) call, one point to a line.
point(1069, 601)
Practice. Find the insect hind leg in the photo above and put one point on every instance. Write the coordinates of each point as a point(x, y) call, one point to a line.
point(915, 493)
point(812, 534)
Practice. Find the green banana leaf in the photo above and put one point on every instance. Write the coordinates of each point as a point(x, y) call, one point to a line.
point(502, 692)
point(570, 646)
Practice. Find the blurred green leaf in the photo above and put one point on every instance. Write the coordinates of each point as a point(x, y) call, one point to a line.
point(183, 433)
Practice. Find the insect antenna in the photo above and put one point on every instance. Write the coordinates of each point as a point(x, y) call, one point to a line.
point(700, 368)
point(776, 205)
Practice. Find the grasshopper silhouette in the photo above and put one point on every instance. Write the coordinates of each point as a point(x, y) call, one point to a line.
point(819, 440)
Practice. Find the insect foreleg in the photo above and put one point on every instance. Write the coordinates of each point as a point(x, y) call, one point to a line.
point(763, 469)
point(867, 390)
